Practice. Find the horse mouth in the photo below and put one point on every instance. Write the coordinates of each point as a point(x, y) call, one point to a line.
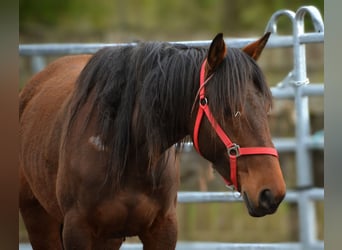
point(252, 210)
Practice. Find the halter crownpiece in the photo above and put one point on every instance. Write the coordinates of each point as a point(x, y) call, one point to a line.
point(233, 150)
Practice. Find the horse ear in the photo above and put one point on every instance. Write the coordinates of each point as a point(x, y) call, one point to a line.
point(254, 49)
point(217, 52)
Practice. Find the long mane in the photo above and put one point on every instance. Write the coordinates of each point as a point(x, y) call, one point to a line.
point(147, 91)
point(151, 80)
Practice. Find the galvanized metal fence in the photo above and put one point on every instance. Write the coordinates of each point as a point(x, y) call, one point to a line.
point(295, 86)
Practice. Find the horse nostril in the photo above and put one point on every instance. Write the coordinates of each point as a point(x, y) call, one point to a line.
point(266, 200)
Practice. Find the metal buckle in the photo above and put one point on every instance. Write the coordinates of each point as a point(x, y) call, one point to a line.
point(234, 150)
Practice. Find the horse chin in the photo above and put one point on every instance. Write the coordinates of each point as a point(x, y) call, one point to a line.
point(253, 210)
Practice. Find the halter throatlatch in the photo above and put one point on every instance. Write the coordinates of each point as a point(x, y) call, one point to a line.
point(234, 150)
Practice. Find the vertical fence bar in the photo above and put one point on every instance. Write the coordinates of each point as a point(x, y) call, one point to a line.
point(303, 159)
point(306, 208)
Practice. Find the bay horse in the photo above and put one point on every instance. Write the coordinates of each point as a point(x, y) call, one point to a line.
point(97, 155)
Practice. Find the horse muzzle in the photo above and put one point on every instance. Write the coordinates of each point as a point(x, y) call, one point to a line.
point(267, 203)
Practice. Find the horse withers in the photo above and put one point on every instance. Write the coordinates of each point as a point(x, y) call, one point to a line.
point(97, 155)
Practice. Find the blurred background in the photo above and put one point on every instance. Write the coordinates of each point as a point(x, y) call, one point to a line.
point(103, 21)
point(132, 20)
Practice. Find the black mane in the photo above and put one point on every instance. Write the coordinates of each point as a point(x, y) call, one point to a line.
point(156, 83)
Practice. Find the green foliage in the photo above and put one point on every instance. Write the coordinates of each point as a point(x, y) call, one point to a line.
point(43, 11)
point(149, 19)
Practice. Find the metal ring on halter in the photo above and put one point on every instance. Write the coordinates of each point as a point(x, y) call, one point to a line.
point(203, 101)
point(234, 150)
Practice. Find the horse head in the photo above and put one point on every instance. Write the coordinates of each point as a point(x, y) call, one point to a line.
point(231, 127)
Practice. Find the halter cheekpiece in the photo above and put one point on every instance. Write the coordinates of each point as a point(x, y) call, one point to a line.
point(234, 150)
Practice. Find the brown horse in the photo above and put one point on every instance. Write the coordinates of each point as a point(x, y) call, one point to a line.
point(97, 161)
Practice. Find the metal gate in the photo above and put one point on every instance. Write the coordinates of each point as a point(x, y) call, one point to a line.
point(295, 86)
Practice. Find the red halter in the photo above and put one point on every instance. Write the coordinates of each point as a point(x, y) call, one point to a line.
point(233, 149)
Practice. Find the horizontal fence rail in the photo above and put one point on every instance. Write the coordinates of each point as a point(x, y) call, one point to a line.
point(291, 196)
point(56, 49)
point(295, 86)
point(314, 89)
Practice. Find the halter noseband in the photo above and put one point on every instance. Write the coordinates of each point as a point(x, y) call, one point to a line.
point(234, 150)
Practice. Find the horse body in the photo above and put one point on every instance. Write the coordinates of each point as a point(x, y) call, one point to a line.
point(127, 212)
point(97, 161)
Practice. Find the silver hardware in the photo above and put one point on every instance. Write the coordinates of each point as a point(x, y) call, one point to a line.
point(234, 150)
